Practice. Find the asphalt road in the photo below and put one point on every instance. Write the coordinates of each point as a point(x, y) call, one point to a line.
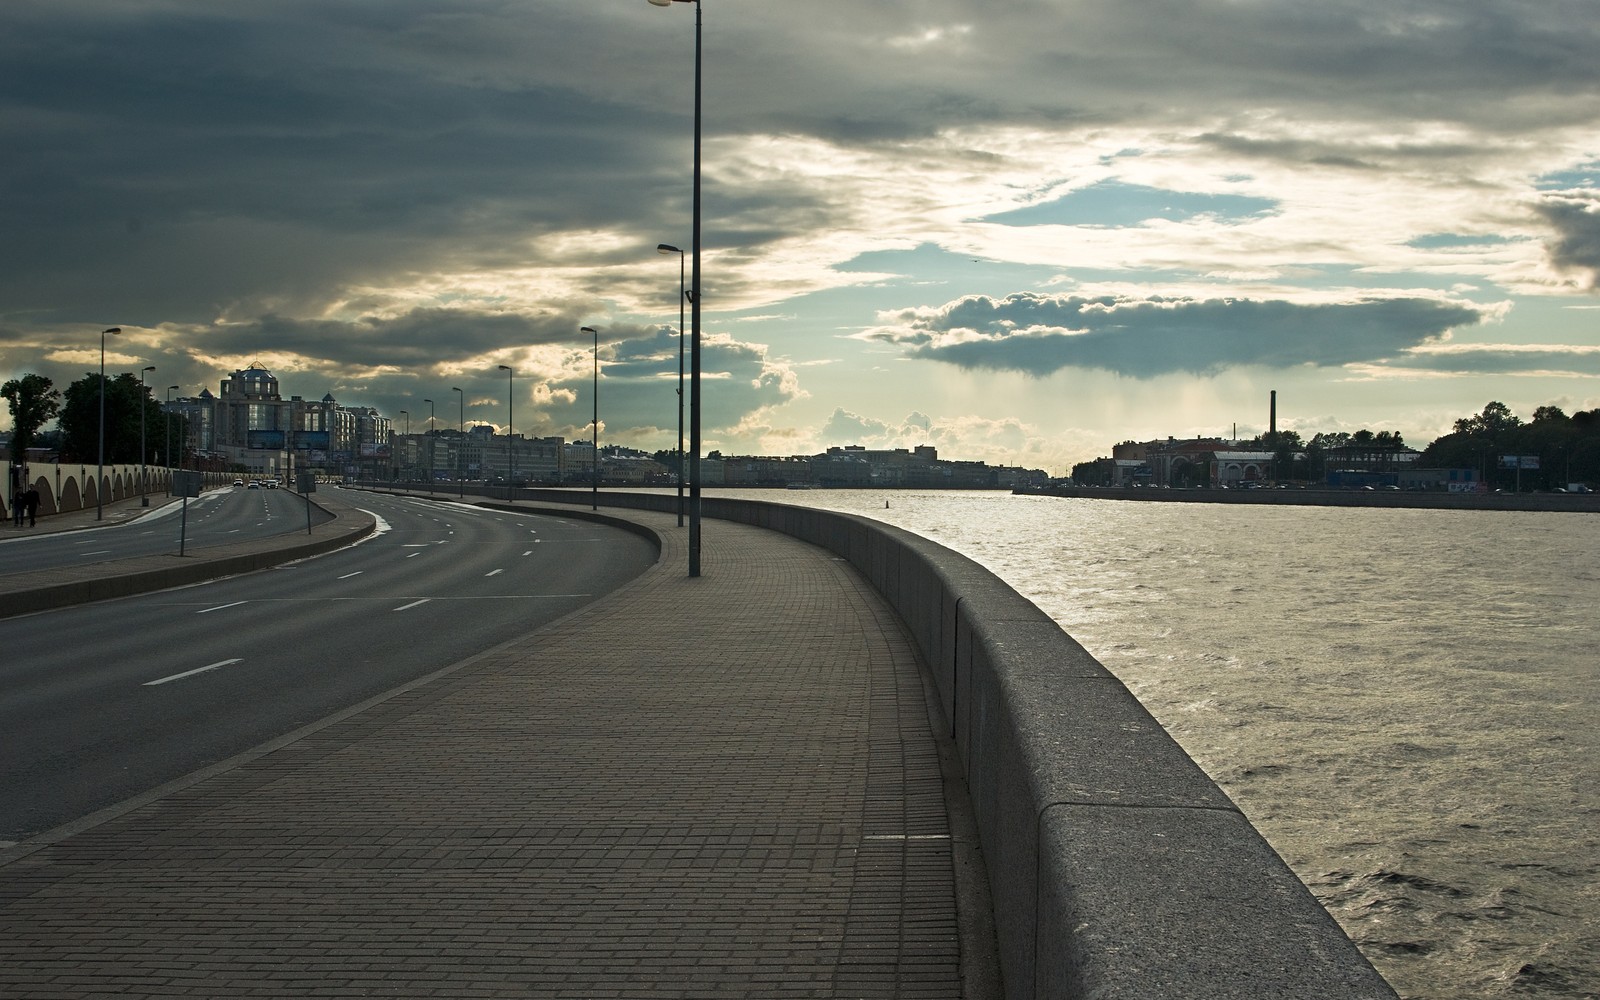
point(217, 517)
point(105, 701)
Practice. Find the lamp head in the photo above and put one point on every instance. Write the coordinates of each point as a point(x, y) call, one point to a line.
point(148, 368)
point(662, 3)
point(505, 368)
point(667, 248)
point(117, 329)
point(589, 329)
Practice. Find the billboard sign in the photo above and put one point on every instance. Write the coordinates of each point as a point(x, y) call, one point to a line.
point(264, 440)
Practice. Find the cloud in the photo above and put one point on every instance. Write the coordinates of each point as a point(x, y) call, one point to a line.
point(639, 383)
point(1144, 338)
point(378, 199)
point(1501, 359)
point(955, 437)
point(1575, 216)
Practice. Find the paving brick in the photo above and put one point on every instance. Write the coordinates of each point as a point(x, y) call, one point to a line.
point(723, 786)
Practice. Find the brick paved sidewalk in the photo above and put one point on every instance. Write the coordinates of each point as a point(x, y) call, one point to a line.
point(691, 788)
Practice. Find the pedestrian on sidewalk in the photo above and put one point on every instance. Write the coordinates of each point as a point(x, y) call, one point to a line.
point(31, 501)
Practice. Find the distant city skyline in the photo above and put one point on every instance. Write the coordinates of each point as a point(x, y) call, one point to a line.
point(1016, 232)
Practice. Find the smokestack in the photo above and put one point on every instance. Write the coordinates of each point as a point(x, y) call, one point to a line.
point(1272, 417)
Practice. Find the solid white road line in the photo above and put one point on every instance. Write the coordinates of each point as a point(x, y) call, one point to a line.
point(191, 673)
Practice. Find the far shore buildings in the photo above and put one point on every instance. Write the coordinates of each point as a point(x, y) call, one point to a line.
point(1191, 462)
point(251, 428)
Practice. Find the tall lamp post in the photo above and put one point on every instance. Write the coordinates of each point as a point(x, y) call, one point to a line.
point(144, 497)
point(100, 462)
point(461, 440)
point(432, 434)
point(669, 248)
point(694, 302)
point(166, 418)
point(594, 442)
point(511, 416)
point(407, 438)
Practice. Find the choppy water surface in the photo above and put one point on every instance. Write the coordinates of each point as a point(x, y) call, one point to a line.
point(1405, 703)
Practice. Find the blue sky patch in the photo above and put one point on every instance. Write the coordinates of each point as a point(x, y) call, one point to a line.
point(1115, 205)
point(1587, 176)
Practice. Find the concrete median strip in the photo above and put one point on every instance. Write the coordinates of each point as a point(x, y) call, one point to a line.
point(45, 590)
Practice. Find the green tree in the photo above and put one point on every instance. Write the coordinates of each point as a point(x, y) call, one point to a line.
point(34, 401)
point(80, 419)
point(1495, 420)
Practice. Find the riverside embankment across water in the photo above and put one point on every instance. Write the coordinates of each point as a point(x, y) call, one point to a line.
point(1286, 496)
point(1403, 701)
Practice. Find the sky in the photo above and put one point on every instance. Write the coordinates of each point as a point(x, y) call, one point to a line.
point(1019, 231)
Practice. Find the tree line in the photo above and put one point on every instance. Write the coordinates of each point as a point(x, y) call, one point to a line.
point(34, 401)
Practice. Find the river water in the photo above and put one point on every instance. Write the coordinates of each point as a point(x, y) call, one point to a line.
point(1405, 703)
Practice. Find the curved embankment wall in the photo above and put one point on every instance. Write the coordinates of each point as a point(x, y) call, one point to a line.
point(1118, 869)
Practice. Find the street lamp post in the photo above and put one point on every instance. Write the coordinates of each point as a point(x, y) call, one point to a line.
point(594, 459)
point(694, 302)
point(100, 463)
point(166, 418)
point(511, 417)
point(406, 437)
point(461, 440)
point(144, 497)
point(669, 248)
point(432, 434)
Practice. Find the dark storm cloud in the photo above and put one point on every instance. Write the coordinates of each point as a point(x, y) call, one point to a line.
point(1040, 334)
point(179, 160)
point(1501, 361)
point(1576, 220)
point(195, 157)
point(415, 341)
